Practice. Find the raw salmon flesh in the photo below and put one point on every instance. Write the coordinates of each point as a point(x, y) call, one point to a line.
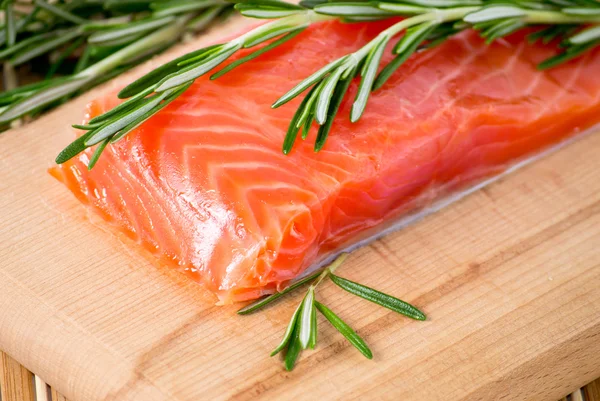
point(205, 186)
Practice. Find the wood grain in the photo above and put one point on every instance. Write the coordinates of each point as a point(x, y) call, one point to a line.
point(509, 278)
point(590, 392)
point(56, 396)
point(16, 381)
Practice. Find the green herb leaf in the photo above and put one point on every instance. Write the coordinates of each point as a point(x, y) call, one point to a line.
point(60, 12)
point(42, 98)
point(308, 82)
point(196, 70)
point(63, 56)
point(124, 6)
point(97, 153)
point(551, 33)
point(207, 16)
point(42, 47)
point(387, 301)
point(73, 149)
point(313, 334)
point(494, 12)
point(352, 9)
point(131, 29)
point(108, 23)
point(310, 4)
point(293, 350)
point(389, 69)
point(587, 35)
point(287, 336)
point(86, 127)
point(414, 37)
point(403, 9)
point(9, 25)
point(209, 52)
point(336, 101)
point(293, 128)
point(268, 3)
point(111, 128)
point(444, 3)
point(305, 319)
point(257, 53)
point(153, 77)
point(580, 11)
point(123, 108)
point(166, 8)
point(307, 125)
point(172, 95)
point(405, 48)
point(346, 330)
point(83, 61)
point(264, 35)
point(369, 71)
point(29, 42)
point(8, 97)
point(325, 95)
point(123, 33)
point(266, 12)
point(309, 110)
point(502, 28)
point(571, 53)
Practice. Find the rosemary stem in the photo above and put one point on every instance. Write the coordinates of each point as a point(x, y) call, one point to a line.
point(298, 20)
point(316, 17)
point(330, 269)
point(10, 77)
point(452, 14)
point(554, 17)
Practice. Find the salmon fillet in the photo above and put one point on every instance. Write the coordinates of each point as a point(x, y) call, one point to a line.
point(204, 184)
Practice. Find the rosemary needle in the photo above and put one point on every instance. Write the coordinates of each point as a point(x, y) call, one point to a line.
point(346, 330)
point(288, 332)
point(305, 319)
point(387, 301)
point(293, 351)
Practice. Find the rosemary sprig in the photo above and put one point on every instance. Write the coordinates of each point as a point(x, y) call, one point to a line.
point(574, 23)
point(425, 27)
point(147, 94)
point(301, 332)
point(105, 37)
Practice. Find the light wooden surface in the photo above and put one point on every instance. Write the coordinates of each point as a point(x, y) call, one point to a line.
point(508, 277)
point(591, 392)
point(16, 382)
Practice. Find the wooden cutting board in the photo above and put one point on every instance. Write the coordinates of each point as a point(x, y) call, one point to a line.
point(509, 278)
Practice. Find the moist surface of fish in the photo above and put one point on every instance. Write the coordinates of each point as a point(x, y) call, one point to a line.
point(204, 184)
